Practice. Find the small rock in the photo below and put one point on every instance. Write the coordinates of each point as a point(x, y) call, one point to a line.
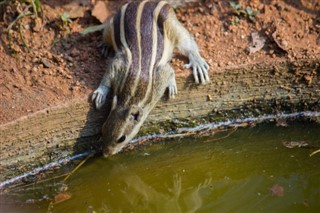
point(74, 52)
point(46, 63)
point(68, 58)
point(38, 24)
point(74, 10)
point(84, 56)
point(201, 10)
point(34, 69)
point(27, 26)
point(34, 60)
point(49, 55)
point(29, 179)
point(284, 43)
point(27, 66)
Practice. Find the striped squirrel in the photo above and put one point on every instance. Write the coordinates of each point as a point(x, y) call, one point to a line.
point(143, 35)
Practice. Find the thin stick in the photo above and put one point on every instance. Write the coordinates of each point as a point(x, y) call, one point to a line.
point(178, 135)
point(315, 152)
point(77, 167)
point(22, 185)
point(224, 137)
point(51, 204)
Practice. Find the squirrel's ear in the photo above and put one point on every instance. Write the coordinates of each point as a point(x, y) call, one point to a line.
point(114, 102)
point(136, 113)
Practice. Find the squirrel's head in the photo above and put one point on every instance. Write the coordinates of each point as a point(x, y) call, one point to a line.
point(121, 126)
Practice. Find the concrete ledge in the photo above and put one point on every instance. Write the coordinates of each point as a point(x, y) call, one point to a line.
point(67, 129)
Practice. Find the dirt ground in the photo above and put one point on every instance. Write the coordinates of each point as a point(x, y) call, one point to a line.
point(47, 62)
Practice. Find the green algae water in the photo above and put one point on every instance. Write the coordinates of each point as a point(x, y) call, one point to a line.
point(250, 170)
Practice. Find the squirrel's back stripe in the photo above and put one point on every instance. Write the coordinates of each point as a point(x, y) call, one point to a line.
point(156, 47)
point(138, 31)
point(124, 43)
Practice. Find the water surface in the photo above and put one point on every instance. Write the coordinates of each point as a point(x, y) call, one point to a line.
point(249, 171)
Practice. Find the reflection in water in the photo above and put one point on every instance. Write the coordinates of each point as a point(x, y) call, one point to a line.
point(143, 197)
point(233, 174)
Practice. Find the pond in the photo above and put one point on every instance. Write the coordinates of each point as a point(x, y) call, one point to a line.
point(266, 168)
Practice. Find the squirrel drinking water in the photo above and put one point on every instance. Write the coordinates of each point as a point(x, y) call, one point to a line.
point(143, 36)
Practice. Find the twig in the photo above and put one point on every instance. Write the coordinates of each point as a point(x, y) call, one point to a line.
point(230, 133)
point(178, 135)
point(77, 167)
point(51, 204)
point(315, 152)
point(22, 185)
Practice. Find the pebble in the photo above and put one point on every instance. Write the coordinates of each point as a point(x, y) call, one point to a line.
point(46, 63)
point(27, 66)
point(34, 69)
point(68, 58)
point(34, 60)
point(75, 52)
point(49, 55)
point(284, 43)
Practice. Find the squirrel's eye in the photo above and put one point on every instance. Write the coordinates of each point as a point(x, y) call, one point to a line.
point(123, 138)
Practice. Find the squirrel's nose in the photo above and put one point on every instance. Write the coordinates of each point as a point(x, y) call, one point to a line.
point(106, 152)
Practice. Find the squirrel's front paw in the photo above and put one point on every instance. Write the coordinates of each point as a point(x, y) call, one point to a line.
point(200, 69)
point(173, 91)
point(172, 86)
point(99, 96)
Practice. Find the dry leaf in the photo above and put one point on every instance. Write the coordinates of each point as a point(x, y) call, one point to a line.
point(281, 45)
point(100, 11)
point(63, 196)
point(257, 43)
